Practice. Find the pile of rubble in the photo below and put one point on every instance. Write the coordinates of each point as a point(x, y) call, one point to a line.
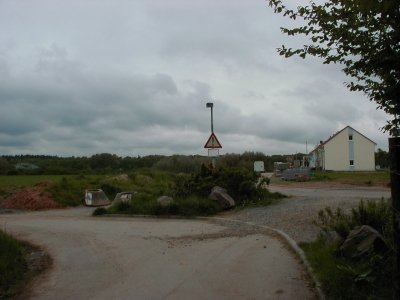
point(31, 198)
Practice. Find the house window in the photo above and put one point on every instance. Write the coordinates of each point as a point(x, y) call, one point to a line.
point(350, 137)
point(351, 162)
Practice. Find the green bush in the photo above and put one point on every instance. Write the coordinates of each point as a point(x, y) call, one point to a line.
point(367, 277)
point(335, 220)
point(240, 184)
point(191, 191)
point(110, 190)
point(193, 205)
point(188, 206)
point(12, 265)
point(376, 214)
point(68, 191)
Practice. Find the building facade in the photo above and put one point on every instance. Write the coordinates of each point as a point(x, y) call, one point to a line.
point(346, 150)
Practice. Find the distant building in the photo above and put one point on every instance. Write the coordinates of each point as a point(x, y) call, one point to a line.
point(26, 166)
point(346, 150)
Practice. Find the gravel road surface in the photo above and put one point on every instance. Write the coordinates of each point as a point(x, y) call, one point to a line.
point(295, 215)
point(133, 258)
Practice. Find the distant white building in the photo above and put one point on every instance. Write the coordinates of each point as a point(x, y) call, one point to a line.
point(346, 150)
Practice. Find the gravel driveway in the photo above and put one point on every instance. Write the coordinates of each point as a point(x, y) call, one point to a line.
point(295, 215)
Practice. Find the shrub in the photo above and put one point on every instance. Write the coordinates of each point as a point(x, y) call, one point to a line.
point(68, 191)
point(367, 277)
point(335, 220)
point(193, 205)
point(191, 191)
point(110, 190)
point(240, 184)
point(376, 214)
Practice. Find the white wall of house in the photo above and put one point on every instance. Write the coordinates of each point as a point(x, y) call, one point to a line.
point(337, 152)
point(364, 152)
point(349, 151)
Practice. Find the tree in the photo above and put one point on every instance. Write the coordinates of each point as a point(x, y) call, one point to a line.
point(382, 158)
point(103, 161)
point(5, 166)
point(364, 37)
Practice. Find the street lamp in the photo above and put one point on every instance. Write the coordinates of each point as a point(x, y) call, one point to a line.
point(210, 104)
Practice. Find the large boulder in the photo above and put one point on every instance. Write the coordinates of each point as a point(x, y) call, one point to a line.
point(221, 196)
point(124, 197)
point(361, 240)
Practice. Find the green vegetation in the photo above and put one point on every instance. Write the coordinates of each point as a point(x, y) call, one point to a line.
point(356, 178)
point(190, 192)
point(12, 265)
point(188, 207)
point(69, 190)
point(106, 163)
point(367, 277)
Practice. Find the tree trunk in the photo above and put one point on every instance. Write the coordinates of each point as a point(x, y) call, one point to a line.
point(394, 152)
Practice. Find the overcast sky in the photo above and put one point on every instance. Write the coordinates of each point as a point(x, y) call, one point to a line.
point(132, 77)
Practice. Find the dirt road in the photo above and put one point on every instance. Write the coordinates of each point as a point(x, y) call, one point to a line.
point(296, 215)
point(131, 258)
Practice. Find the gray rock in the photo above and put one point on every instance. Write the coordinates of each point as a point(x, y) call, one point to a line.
point(165, 200)
point(221, 196)
point(125, 197)
point(362, 239)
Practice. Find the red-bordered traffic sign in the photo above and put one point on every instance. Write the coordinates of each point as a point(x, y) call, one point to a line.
point(212, 142)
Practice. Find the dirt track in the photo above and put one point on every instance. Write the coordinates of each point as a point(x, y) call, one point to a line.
point(296, 215)
point(130, 258)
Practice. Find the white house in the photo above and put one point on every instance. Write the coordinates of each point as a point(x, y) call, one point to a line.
point(346, 150)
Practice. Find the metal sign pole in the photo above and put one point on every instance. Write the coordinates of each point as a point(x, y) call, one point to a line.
point(211, 105)
point(212, 142)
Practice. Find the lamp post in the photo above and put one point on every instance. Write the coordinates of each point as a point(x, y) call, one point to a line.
point(210, 104)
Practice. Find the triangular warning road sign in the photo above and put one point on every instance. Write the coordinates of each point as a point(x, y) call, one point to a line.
point(212, 142)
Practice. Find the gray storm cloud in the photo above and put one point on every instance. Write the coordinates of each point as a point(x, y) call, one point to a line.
point(133, 77)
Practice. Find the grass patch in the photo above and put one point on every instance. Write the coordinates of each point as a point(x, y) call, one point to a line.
point(366, 278)
point(357, 178)
point(12, 265)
